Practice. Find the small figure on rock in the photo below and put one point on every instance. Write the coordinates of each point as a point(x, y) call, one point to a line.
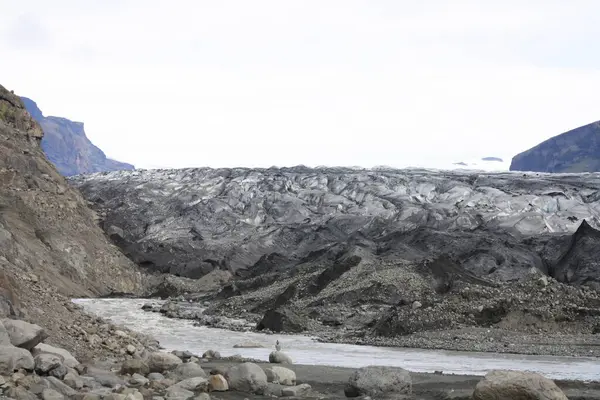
point(277, 346)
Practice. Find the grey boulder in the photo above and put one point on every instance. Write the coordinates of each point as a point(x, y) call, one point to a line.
point(508, 385)
point(296, 391)
point(13, 358)
point(281, 375)
point(67, 357)
point(23, 334)
point(45, 362)
point(377, 381)
point(279, 357)
point(162, 362)
point(247, 377)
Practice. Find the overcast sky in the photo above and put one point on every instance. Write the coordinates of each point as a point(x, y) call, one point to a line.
point(331, 82)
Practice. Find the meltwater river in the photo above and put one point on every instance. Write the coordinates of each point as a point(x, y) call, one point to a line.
point(182, 335)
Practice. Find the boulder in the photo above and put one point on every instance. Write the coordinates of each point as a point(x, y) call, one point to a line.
point(134, 366)
point(68, 358)
point(296, 391)
point(281, 375)
point(45, 362)
point(59, 372)
point(202, 396)
point(138, 380)
point(4, 336)
point(20, 393)
point(14, 358)
point(130, 349)
point(23, 334)
point(162, 362)
point(211, 354)
point(377, 381)
point(282, 320)
point(59, 386)
point(279, 357)
point(51, 394)
point(105, 378)
point(184, 355)
point(177, 393)
point(217, 383)
point(73, 381)
point(197, 384)
point(186, 371)
point(156, 376)
point(248, 345)
point(247, 377)
point(505, 385)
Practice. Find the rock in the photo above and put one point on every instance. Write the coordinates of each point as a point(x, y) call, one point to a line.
point(184, 355)
point(505, 385)
point(59, 386)
point(177, 393)
point(59, 372)
point(279, 357)
point(186, 371)
point(217, 383)
point(51, 394)
point(156, 376)
point(20, 393)
point(138, 380)
point(73, 381)
point(67, 357)
point(105, 378)
point(4, 336)
point(202, 396)
point(248, 345)
point(296, 391)
point(14, 358)
point(130, 349)
point(45, 362)
point(212, 354)
point(282, 320)
point(219, 371)
point(247, 377)
point(23, 334)
point(162, 362)
point(197, 384)
point(281, 375)
point(134, 366)
point(378, 381)
point(416, 305)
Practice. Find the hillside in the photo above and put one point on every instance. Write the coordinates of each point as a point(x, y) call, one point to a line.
point(574, 151)
point(67, 146)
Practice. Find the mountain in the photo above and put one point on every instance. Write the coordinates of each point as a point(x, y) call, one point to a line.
point(574, 151)
point(67, 146)
point(51, 248)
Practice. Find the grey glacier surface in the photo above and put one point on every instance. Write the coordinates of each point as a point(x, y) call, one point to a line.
point(368, 255)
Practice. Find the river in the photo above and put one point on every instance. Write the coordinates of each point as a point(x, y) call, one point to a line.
point(176, 334)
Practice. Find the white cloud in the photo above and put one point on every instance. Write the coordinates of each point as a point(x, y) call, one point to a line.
point(188, 83)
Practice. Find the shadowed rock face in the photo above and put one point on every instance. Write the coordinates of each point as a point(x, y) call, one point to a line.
point(254, 222)
point(68, 148)
point(577, 150)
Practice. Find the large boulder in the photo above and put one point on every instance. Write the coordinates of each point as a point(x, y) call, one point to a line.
point(508, 385)
point(13, 358)
point(197, 384)
point(377, 381)
point(187, 371)
point(178, 393)
point(247, 377)
point(104, 377)
point(4, 336)
point(282, 320)
point(279, 357)
point(296, 391)
point(45, 362)
point(281, 375)
point(162, 362)
point(23, 334)
point(67, 357)
point(217, 383)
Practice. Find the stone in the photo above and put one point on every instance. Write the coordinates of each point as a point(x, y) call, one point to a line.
point(59, 372)
point(508, 385)
point(416, 305)
point(247, 377)
point(377, 381)
point(59, 386)
point(248, 345)
point(177, 393)
point(14, 358)
point(130, 349)
point(212, 354)
point(197, 384)
point(4, 336)
point(105, 378)
point(281, 375)
point(23, 334)
point(73, 381)
point(279, 357)
point(296, 391)
point(134, 366)
point(184, 355)
point(186, 371)
point(20, 393)
point(162, 362)
point(67, 357)
point(217, 383)
point(45, 362)
point(202, 396)
point(156, 376)
point(138, 380)
point(51, 394)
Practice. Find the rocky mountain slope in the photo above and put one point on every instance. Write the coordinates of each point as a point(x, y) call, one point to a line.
point(67, 146)
point(577, 150)
point(367, 254)
point(51, 248)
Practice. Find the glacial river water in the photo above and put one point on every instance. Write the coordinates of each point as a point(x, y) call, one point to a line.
point(182, 335)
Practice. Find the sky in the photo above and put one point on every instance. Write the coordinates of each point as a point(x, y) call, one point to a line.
point(190, 83)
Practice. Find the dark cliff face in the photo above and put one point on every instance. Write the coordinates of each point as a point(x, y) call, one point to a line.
point(67, 146)
point(571, 152)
